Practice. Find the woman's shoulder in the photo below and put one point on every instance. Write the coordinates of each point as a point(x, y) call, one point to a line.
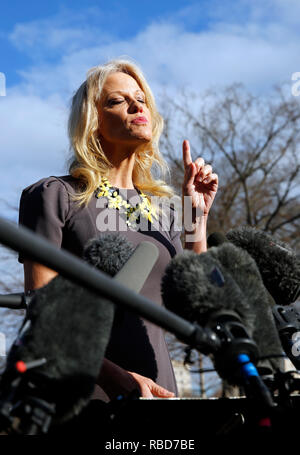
point(52, 184)
point(50, 195)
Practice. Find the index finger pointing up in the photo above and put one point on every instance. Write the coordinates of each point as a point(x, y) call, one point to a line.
point(187, 159)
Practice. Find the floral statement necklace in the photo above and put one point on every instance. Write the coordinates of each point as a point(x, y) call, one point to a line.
point(116, 201)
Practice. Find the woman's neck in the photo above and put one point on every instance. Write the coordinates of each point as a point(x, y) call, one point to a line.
point(121, 184)
point(120, 175)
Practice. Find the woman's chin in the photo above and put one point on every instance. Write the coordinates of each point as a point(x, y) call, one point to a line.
point(141, 138)
point(142, 132)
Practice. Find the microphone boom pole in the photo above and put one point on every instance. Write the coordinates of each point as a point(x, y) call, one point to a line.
point(39, 249)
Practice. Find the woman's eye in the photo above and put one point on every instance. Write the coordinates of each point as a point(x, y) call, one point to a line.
point(114, 101)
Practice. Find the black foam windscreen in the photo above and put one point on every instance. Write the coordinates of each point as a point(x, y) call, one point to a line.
point(70, 328)
point(139, 261)
point(108, 252)
point(195, 286)
point(190, 288)
point(216, 239)
point(244, 271)
point(278, 264)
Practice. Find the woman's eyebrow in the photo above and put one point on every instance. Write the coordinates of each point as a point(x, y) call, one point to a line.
point(123, 92)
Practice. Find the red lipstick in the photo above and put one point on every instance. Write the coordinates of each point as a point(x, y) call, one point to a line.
point(140, 120)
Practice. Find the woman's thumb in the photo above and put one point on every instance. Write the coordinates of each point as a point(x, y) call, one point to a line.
point(159, 391)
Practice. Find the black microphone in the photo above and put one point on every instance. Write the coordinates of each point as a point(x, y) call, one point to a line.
point(110, 251)
point(278, 264)
point(216, 239)
point(200, 288)
point(243, 269)
point(286, 318)
point(56, 357)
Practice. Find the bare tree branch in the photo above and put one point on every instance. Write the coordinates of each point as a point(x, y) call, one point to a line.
point(255, 144)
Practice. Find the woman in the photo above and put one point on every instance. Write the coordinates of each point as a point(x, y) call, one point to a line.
point(114, 129)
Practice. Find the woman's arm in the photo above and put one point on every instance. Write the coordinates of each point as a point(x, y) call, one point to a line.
point(36, 275)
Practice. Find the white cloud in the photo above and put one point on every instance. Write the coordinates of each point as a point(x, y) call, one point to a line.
point(255, 50)
point(36, 34)
point(258, 45)
point(65, 32)
point(33, 141)
point(32, 126)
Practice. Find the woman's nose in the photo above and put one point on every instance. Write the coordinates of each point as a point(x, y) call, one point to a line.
point(135, 107)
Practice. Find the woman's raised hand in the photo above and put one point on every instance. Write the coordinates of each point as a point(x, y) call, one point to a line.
point(199, 182)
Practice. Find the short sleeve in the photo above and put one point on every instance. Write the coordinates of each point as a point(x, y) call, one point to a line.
point(43, 208)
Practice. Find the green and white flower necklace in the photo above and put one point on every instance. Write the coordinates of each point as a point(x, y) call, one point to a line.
point(116, 201)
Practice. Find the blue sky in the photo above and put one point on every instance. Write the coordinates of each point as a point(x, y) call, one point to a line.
point(117, 18)
point(46, 49)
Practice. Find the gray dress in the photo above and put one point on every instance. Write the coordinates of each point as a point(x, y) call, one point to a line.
point(135, 344)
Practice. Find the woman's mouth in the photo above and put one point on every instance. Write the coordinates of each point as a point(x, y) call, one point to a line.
point(138, 120)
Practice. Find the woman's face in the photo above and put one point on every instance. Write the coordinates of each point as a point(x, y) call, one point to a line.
point(124, 117)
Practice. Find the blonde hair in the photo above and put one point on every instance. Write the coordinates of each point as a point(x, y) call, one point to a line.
point(90, 165)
